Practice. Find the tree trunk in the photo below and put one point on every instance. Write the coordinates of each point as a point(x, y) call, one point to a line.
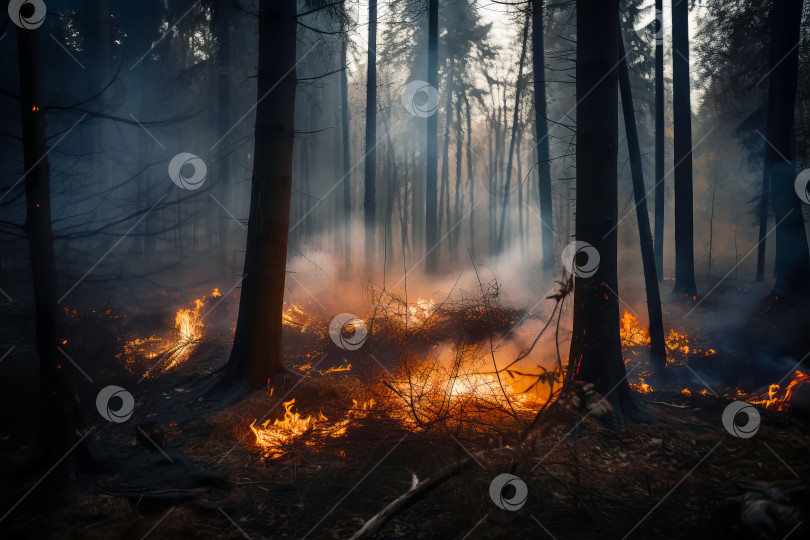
point(444, 190)
point(470, 177)
point(792, 259)
point(346, 142)
point(513, 138)
point(224, 14)
point(658, 351)
point(256, 354)
point(541, 135)
point(431, 231)
point(764, 206)
point(596, 353)
point(659, 143)
point(370, 193)
point(62, 416)
point(457, 206)
point(682, 107)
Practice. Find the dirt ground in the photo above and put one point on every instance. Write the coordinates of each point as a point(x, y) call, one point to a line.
point(687, 476)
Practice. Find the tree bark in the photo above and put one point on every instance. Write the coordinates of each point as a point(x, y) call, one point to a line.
point(660, 137)
point(256, 354)
point(658, 351)
point(682, 107)
point(596, 353)
point(370, 193)
point(62, 416)
point(764, 206)
point(470, 177)
point(792, 259)
point(431, 231)
point(541, 127)
point(346, 143)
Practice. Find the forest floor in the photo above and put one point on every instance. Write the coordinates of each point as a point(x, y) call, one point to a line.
point(684, 477)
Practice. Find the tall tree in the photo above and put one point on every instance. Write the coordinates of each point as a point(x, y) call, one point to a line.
point(513, 137)
point(541, 135)
point(431, 176)
point(346, 144)
point(62, 417)
point(256, 354)
point(682, 111)
point(370, 191)
point(658, 351)
point(792, 259)
point(659, 139)
point(596, 353)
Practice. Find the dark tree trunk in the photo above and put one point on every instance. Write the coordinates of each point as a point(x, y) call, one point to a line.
point(256, 354)
point(346, 143)
point(596, 353)
point(444, 189)
point(764, 206)
point(792, 260)
point(224, 15)
point(470, 177)
point(659, 143)
point(431, 231)
point(457, 207)
point(658, 351)
point(541, 127)
point(513, 138)
point(370, 193)
point(682, 108)
point(62, 417)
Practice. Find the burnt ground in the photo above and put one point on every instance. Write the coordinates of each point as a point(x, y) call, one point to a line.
point(685, 477)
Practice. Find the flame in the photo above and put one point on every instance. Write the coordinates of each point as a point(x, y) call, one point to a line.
point(632, 333)
point(677, 343)
point(275, 439)
point(295, 317)
point(778, 400)
point(641, 386)
point(171, 350)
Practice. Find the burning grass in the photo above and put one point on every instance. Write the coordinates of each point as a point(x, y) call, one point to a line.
point(166, 351)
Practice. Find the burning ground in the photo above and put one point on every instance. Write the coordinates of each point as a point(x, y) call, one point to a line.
point(439, 388)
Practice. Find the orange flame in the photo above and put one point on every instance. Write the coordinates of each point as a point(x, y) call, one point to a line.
point(778, 400)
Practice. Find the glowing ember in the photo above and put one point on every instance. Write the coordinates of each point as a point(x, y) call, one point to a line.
point(777, 399)
point(295, 317)
point(642, 387)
